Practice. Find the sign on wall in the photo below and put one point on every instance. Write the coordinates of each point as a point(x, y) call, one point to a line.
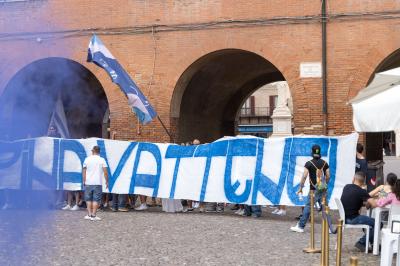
point(310, 70)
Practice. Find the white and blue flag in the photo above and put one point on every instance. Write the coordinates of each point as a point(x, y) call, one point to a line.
point(58, 126)
point(102, 57)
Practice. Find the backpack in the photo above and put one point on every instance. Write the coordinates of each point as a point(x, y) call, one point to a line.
point(321, 179)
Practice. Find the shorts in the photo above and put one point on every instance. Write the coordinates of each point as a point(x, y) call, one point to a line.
point(93, 193)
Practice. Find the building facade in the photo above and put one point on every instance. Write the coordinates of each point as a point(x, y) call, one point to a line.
point(196, 61)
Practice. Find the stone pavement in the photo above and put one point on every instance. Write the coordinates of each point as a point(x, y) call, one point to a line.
point(156, 238)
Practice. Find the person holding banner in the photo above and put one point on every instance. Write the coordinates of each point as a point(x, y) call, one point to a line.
point(93, 171)
point(318, 172)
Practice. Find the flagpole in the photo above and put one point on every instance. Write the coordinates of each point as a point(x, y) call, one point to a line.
point(166, 130)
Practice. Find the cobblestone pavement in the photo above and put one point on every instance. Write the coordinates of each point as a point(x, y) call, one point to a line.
point(156, 238)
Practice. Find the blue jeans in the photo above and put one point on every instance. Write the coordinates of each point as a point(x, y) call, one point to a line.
point(362, 219)
point(307, 208)
point(254, 209)
point(93, 193)
point(119, 201)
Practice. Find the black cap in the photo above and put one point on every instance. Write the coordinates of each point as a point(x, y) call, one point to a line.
point(316, 151)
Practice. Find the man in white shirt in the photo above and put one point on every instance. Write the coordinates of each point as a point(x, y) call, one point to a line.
point(93, 171)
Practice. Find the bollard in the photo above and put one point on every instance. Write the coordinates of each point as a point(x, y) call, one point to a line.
point(312, 248)
point(326, 236)
point(339, 243)
point(323, 235)
point(353, 261)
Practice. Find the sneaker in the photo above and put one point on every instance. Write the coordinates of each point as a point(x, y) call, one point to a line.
point(220, 209)
point(113, 209)
point(95, 218)
point(142, 207)
point(201, 209)
point(75, 208)
point(87, 217)
point(297, 229)
point(275, 211)
point(235, 207)
point(66, 208)
point(281, 213)
point(360, 247)
point(105, 205)
point(196, 204)
point(188, 210)
point(123, 209)
point(238, 211)
point(241, 212)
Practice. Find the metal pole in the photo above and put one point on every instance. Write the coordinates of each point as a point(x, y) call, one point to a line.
point(353, 261)
point(166, 130)
point(339, 243)
point(326, 236)
point(312, 248)
point(324, 68)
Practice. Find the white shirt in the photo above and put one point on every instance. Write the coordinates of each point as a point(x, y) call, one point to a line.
point(94, 165)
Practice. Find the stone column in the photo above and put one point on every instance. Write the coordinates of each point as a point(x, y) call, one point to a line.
point(282, 117)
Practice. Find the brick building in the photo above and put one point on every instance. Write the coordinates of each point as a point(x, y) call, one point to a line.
point(196, 61)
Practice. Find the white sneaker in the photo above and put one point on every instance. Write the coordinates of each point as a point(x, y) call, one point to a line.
point(275, 211)
point(142, 207)
point(240, 212)
point(87, 217)
point(67, 207)
point(196, 205)
point(281, 213)
point(297, 229)
point(95, 218)
point(75, 208)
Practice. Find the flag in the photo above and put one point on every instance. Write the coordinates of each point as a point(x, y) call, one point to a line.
point(102, 57)
point(58, 126)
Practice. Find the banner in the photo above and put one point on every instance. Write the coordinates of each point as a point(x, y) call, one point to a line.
point(244, 169)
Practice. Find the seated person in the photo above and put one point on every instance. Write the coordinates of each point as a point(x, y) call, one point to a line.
point(353, 198)
point(391, 198)
point(383, 190)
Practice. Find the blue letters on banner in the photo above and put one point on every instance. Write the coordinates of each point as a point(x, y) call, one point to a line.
point(146, 180)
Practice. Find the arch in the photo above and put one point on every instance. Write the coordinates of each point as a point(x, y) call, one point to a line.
point(29, 99)
point(209, 93)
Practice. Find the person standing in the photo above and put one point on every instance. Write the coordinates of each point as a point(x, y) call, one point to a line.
point(93, 172)
point(316, 169)
point(361, 162)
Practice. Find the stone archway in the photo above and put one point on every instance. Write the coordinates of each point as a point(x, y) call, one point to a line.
point(210, 92)
point(29, 99)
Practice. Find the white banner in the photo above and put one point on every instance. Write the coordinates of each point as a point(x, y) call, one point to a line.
point(245, 170)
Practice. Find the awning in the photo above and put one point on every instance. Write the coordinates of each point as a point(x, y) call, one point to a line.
point(376, 108)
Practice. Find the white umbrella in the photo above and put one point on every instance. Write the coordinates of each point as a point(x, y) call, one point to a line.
point(376, 108)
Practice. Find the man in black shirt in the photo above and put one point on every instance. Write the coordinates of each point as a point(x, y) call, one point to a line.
point(311, 170)
point(353, 198)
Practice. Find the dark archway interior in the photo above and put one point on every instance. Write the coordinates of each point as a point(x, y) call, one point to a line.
point(212, 90)
point(29, 99)
point(377, 141)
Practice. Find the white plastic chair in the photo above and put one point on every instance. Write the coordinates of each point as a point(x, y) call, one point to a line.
point(390, 241)
point(352, 226)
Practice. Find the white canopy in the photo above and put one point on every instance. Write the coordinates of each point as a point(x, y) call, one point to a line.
point(376, 108)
